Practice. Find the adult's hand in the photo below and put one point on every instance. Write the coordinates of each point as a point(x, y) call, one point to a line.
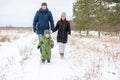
point(34, 30)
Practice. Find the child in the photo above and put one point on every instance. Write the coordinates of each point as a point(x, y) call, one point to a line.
point(63, 27)
point(46, 43)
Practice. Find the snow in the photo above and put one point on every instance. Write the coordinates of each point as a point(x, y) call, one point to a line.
point(85, 59)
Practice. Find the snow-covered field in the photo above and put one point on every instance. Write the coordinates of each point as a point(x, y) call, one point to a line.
point(86, 58)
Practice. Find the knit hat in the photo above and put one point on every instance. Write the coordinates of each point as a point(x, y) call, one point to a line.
point(44, 4)
point(47, 32)
point(63, 14)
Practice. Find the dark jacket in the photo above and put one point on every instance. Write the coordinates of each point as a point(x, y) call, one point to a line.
point(62, 35)
point(41, 21)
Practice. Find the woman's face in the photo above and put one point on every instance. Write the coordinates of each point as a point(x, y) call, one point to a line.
point(63, 18)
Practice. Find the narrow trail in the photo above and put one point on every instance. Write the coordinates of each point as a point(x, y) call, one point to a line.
point(58, 69)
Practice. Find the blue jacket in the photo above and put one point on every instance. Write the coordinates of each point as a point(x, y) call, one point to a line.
point(43, 20)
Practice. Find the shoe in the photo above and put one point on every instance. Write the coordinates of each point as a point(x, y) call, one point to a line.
point(43, 61)
point(48, 61)
point(62, 55)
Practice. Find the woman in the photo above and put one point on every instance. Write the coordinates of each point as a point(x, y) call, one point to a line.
point(63, 27)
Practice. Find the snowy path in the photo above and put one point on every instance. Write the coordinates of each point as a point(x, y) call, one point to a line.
point(58, 69)
point(31, 68)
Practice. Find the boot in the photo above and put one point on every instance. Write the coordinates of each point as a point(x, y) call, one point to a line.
point(62, 55)
point(48, 61)
point(43, 61)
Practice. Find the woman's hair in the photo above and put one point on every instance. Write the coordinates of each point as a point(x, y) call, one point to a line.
point(62, 24)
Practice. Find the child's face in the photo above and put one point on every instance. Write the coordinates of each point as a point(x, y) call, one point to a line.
point(47, 35)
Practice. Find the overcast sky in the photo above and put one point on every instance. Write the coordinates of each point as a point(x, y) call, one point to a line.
point(21, 12)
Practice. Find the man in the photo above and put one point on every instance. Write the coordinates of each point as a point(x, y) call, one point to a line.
point(43, 20)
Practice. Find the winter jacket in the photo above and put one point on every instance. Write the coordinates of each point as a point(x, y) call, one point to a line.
point(62, 35)
point(46, 44)
point(41, 21)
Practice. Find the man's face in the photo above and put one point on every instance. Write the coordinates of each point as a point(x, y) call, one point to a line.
point(44, 7)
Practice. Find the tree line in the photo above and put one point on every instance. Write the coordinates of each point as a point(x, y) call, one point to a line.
point(99, 15)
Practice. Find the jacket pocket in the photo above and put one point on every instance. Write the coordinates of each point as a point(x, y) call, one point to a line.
point(37, 25)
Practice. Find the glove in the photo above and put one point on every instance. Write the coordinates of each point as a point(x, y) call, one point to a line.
point(52, 28)
point(52, 46)
point(34, 30)
point(38, 47)
point(69, 33)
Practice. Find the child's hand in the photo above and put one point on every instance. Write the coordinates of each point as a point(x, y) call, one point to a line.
point(38, 47)
point(52, 46)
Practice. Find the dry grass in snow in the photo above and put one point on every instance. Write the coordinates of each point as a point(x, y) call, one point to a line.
point(95, 58)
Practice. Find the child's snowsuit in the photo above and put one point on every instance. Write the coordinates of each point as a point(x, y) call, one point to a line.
point(46, 44)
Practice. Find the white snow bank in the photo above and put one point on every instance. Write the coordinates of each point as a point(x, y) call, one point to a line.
point(85, 59)
point(14, 53)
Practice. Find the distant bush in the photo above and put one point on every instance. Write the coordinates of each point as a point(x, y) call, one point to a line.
point(4, 38)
